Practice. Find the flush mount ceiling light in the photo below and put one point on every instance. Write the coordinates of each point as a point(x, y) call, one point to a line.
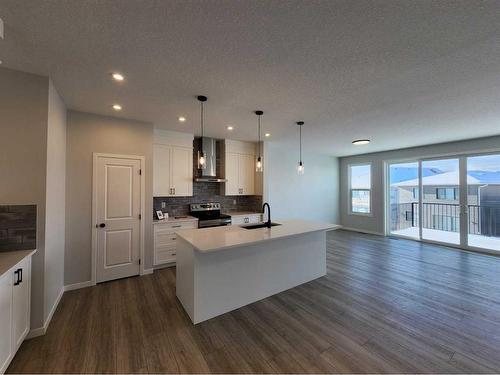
point(258, 162)
point(117, 107)
point(267, 134)
point(202, 163)
point(359, 142)
point(300, 167)
point(229, 127)
point(182, 119)
point(118, 77)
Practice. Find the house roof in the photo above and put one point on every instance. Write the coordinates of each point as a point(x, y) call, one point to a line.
point(452, 178)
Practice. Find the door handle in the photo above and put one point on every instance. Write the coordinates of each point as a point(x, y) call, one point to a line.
point(102, 225)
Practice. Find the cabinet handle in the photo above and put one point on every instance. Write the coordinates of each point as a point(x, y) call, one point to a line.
point(174, 191)
point(19, 274)
point(177, 226)
point(173, 238)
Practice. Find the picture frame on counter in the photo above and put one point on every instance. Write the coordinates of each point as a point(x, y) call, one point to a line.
point(159, 215)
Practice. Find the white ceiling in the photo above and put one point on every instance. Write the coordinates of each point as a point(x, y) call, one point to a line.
point(402, 73)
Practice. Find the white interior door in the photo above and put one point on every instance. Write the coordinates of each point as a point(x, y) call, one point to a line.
point(117, 211)
point(182, 171)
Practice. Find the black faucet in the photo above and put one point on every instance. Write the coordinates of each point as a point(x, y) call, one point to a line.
point(268, 223)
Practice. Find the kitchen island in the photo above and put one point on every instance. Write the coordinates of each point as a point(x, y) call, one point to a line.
point(223, 268)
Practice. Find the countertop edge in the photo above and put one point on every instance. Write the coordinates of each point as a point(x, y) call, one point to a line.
point(9, 259)
point(327, 228)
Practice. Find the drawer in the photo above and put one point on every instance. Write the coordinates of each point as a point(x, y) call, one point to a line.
point(165, 256)
point(246, 219)
point(172, 227)
point(165, 238)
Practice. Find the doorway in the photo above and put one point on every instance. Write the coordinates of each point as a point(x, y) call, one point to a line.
point(453, 201)
point(118, 201)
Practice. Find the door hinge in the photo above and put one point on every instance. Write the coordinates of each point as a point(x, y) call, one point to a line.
point(140, 171)
point(140, 217)
point(139, 260)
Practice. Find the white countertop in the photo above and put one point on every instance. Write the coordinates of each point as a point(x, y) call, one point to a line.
point(175, 220)
point(9, 259)
point(218, 238)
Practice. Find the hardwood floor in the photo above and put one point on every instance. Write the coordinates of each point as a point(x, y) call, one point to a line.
point(386, 305)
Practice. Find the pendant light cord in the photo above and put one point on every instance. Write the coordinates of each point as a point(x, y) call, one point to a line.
point(201, 121)
point(259, 138)
point(300, 143)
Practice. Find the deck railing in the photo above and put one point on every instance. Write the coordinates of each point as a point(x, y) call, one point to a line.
point(482, 219)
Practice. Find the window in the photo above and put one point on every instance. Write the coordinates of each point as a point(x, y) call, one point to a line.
point(360, 189)
point(449, 194)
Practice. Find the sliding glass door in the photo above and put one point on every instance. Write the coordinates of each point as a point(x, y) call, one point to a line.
point(440, 201)
point(483, 202)
point(453, 201)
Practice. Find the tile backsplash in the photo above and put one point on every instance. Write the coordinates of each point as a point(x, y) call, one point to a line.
point(17, 227)
point(207, 192)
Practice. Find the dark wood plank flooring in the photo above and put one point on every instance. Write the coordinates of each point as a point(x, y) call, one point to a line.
point(385, 306)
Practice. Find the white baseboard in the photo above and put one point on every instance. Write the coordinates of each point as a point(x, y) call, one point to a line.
point(147, 271)
point(81, 285)
point(40, 331)
point(362, 231)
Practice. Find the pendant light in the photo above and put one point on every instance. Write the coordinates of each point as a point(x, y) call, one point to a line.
point(300, 167)
point(258, 162)
point(202, 162)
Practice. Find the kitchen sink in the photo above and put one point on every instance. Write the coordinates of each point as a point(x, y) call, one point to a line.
point(261, 225)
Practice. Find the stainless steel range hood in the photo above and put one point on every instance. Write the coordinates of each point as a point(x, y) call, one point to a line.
point(209, 174)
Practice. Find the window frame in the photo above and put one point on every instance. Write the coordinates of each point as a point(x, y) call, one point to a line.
point(350, 190)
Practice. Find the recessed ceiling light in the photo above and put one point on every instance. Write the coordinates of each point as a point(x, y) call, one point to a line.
point(117, 107)
point(118, 77)
point(229, 127)
point(267, 134)
point(182, 119)
point(359, 142)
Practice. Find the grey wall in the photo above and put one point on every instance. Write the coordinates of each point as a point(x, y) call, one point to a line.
point(55, 200)
point(23, 160)
point(314, 195)
point(375, 223)
point(86, 134)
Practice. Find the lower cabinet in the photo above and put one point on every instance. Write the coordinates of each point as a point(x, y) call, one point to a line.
point(246, 219)
point(15, 290)
point(165, 240)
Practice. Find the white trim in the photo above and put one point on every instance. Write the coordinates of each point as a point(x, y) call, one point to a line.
point(142, 160)
point(350, 229)
point(147, 271)
point(40, 331)
point(84, 284)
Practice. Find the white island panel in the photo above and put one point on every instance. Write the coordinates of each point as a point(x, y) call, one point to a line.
point(211, 283)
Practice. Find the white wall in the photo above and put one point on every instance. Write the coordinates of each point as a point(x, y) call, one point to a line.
point(375, 223)
point(55, 201)
point(88, 133)
point(314, 195)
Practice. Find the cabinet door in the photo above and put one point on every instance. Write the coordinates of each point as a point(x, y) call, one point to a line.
point(182, 171)
point(232, 174)
point(21, 302)
point(247, 174)
point(6, 349)
point(162, 156)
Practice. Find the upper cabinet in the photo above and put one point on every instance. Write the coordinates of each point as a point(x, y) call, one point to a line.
point(240, 168)
point(172, 164)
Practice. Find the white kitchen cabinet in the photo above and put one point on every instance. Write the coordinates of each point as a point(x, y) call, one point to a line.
point(240, 174)
point(172, 171)
point(21, 301)
point(5, 321)
point(172, 164)
point(165, 239)
point(246, 219)
point(15, 291)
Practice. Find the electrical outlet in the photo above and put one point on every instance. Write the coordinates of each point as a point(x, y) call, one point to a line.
point(163, 205)
point(234, 202)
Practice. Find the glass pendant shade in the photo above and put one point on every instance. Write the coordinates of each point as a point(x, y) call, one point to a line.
point(258, 165)
point(202, 164)
point(300, 168)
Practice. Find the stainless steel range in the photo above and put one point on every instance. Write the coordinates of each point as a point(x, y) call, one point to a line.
point(209, 215)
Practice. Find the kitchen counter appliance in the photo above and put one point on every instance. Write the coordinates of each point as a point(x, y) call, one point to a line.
point(208, 215)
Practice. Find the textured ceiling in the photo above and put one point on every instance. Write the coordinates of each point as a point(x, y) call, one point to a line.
point(402, 73)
